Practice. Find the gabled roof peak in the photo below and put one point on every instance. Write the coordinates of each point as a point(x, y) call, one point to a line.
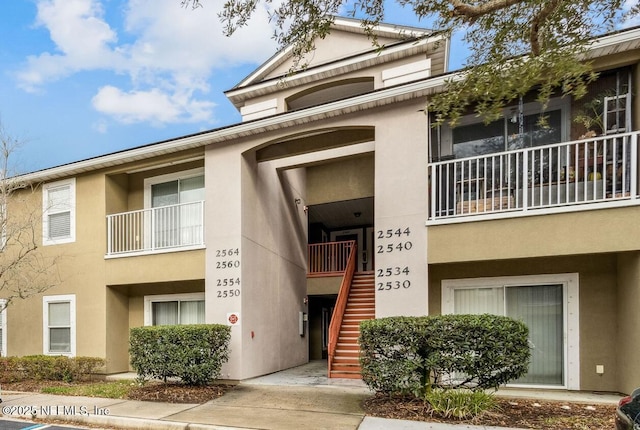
point(384, 30)
point(349, 25)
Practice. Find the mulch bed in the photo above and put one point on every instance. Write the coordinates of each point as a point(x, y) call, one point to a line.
point(520, 413)
point(177, 393)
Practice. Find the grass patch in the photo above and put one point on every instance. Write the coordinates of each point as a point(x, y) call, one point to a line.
point(459, 404)
point(107, 389)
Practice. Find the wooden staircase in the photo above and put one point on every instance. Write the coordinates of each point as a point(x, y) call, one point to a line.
point(360, 306)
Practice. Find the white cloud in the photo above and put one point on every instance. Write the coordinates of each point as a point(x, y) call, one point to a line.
point(81, 38)
point(173, 38)
point(170, 54)
point(152, 106)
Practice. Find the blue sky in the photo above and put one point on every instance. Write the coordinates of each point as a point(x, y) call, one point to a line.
point(83, 78)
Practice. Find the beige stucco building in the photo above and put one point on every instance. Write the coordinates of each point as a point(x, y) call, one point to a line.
point(252, 225)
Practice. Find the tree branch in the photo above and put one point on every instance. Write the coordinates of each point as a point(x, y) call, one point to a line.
point(538, 22)
point(470, 12)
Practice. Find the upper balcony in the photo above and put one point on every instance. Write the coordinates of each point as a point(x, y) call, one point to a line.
point(531, 161)
point(153, 210)
point(161, 229)
point(578, 175)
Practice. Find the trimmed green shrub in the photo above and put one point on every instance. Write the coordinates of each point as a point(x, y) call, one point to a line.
point(49, 368)
point(10, 369)
point(194, 353)
point(412, 355)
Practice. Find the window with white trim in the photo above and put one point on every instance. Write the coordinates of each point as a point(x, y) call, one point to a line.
point(547, 304)
point(59, 330)
point(174, 309)
point(3, 328)
point(176, 201)
point(58, 204)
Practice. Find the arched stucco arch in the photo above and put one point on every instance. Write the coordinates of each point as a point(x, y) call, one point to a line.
point(330, 91)
point(314, 140)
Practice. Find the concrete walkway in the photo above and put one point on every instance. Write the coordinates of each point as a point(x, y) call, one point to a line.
point(298, 398)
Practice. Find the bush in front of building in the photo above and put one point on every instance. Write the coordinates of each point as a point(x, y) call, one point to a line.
point(194, 353)
point(414, 355)
point(48, 368)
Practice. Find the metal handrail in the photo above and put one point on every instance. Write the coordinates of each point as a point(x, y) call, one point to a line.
point(341, 304)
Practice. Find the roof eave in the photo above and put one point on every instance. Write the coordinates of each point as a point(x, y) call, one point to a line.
point(362, 102)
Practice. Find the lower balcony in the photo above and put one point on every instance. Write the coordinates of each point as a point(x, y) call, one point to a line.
point(579, 175)
point(161, 229)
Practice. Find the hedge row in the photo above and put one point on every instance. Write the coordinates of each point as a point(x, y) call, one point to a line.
point(49, 368)
point(194, 353)
point(412, 355)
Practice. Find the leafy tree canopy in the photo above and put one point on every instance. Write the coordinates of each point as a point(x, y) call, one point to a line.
point(515, 45)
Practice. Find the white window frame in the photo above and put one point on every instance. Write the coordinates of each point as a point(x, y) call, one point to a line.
point(65, 298)
point(149, 300)
point(3, 325)
point(149, 182)
point(46, 211)
point(571, 305)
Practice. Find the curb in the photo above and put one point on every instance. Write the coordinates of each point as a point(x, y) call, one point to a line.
point(134, 423)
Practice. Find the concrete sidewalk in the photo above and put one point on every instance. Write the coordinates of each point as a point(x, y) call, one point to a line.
point(294, 399)
point(245, 407)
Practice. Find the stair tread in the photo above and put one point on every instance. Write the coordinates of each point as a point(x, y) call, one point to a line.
point(360, 306)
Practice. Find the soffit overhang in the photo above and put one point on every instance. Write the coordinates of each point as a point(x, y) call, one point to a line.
point(615, 43)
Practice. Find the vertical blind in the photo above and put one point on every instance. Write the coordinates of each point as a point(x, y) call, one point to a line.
point(60, 327)
point(59, 212)
point(540, 307)
point(177, 225)
point(178, 312)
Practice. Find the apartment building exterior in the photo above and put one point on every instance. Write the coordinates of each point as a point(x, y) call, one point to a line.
point(336, 181)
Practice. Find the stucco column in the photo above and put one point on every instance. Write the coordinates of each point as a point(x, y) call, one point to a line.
point(255, 260)
point(223, 283)
point(401, 211)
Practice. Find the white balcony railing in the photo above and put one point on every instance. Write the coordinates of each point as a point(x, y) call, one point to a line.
point(583, 172)
point(157, 229)
point(329, 257)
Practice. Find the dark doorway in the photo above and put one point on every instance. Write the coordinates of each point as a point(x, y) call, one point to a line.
point(320, 310)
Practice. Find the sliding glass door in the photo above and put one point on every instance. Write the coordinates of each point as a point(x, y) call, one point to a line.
point(540, 307)
point(175, 223)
